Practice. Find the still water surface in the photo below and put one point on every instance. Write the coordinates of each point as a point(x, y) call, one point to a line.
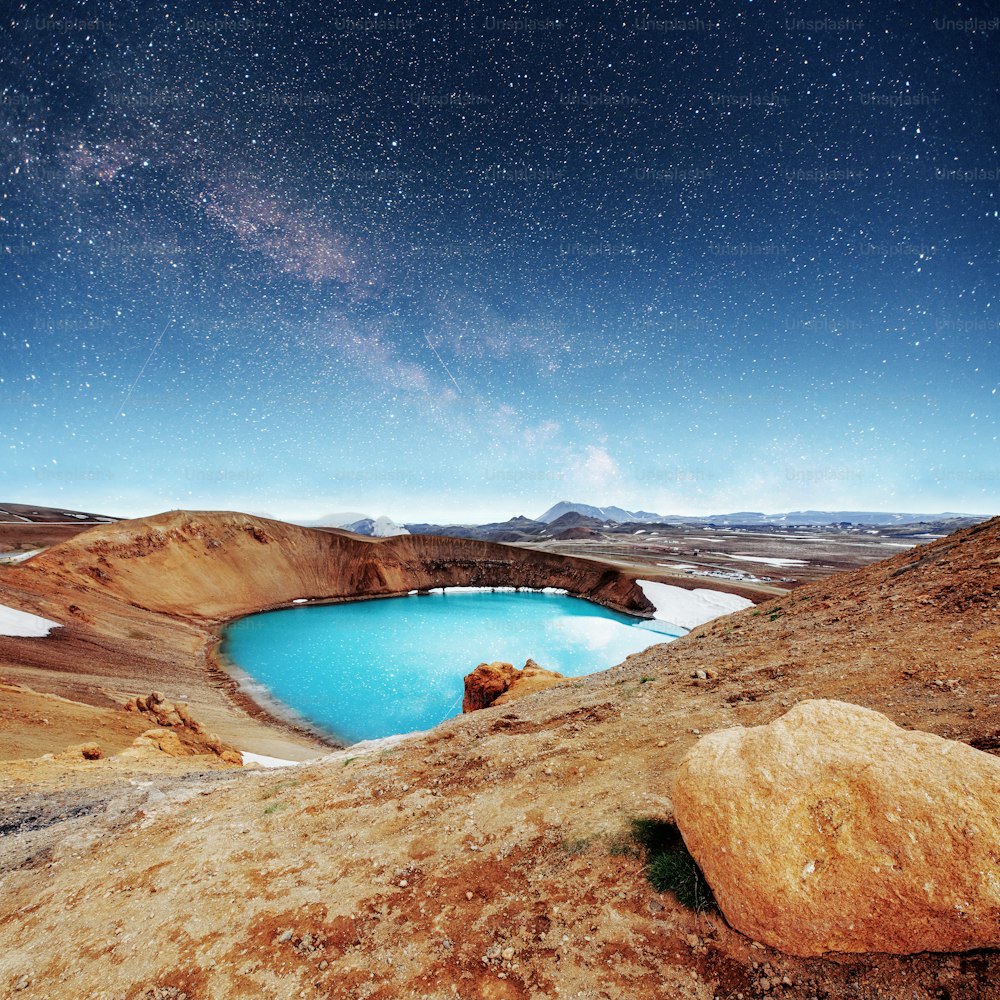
point(374, 668)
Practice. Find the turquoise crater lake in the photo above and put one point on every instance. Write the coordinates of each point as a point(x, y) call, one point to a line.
point(368, 669)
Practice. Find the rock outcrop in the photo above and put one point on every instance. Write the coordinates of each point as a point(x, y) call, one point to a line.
point(85, 751)
point(499, 683)
point(176, 733)
point(164, 713)
point(167, 741)
point(833, 830)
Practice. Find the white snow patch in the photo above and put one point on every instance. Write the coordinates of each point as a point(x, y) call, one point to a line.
point(23, 624)
point(690, 608)
point(256, 758)
point(301, 600)
point(769, 561)
point(16, 557)
point(684, 566)
point(386, 527)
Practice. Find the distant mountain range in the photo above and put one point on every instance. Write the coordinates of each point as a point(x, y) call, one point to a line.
point(566, 521)
point(600, 513)
point(792, 518)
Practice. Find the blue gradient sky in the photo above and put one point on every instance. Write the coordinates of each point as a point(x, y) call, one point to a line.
point(450, 266)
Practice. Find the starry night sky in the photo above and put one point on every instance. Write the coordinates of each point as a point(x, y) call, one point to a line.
point(444, 263)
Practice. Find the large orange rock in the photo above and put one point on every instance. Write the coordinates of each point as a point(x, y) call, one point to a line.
point(499, 683)
point(833, 830)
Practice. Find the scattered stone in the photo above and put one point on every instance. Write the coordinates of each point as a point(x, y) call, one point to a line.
point(832, 829)
point(83, 751)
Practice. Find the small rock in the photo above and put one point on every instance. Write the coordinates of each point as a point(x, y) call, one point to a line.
point(468, 895)
point(403, 883)
point(507, 954)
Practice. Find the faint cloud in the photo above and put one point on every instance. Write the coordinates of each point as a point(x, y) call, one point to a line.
point(542, 434)
point(596, 471)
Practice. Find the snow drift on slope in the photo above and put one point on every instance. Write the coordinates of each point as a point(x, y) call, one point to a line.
point(23, 624)
point(690, 608)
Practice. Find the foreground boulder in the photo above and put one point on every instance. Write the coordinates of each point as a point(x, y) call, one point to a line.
point(832, 829)
point(500, 683)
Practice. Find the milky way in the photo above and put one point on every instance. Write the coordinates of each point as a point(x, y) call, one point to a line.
point(447, 264)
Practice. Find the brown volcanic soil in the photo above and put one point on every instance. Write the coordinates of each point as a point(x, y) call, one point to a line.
point(32, 724)
point(484, 859)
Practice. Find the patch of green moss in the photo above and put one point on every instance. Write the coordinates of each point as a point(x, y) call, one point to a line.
point(669, 865)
